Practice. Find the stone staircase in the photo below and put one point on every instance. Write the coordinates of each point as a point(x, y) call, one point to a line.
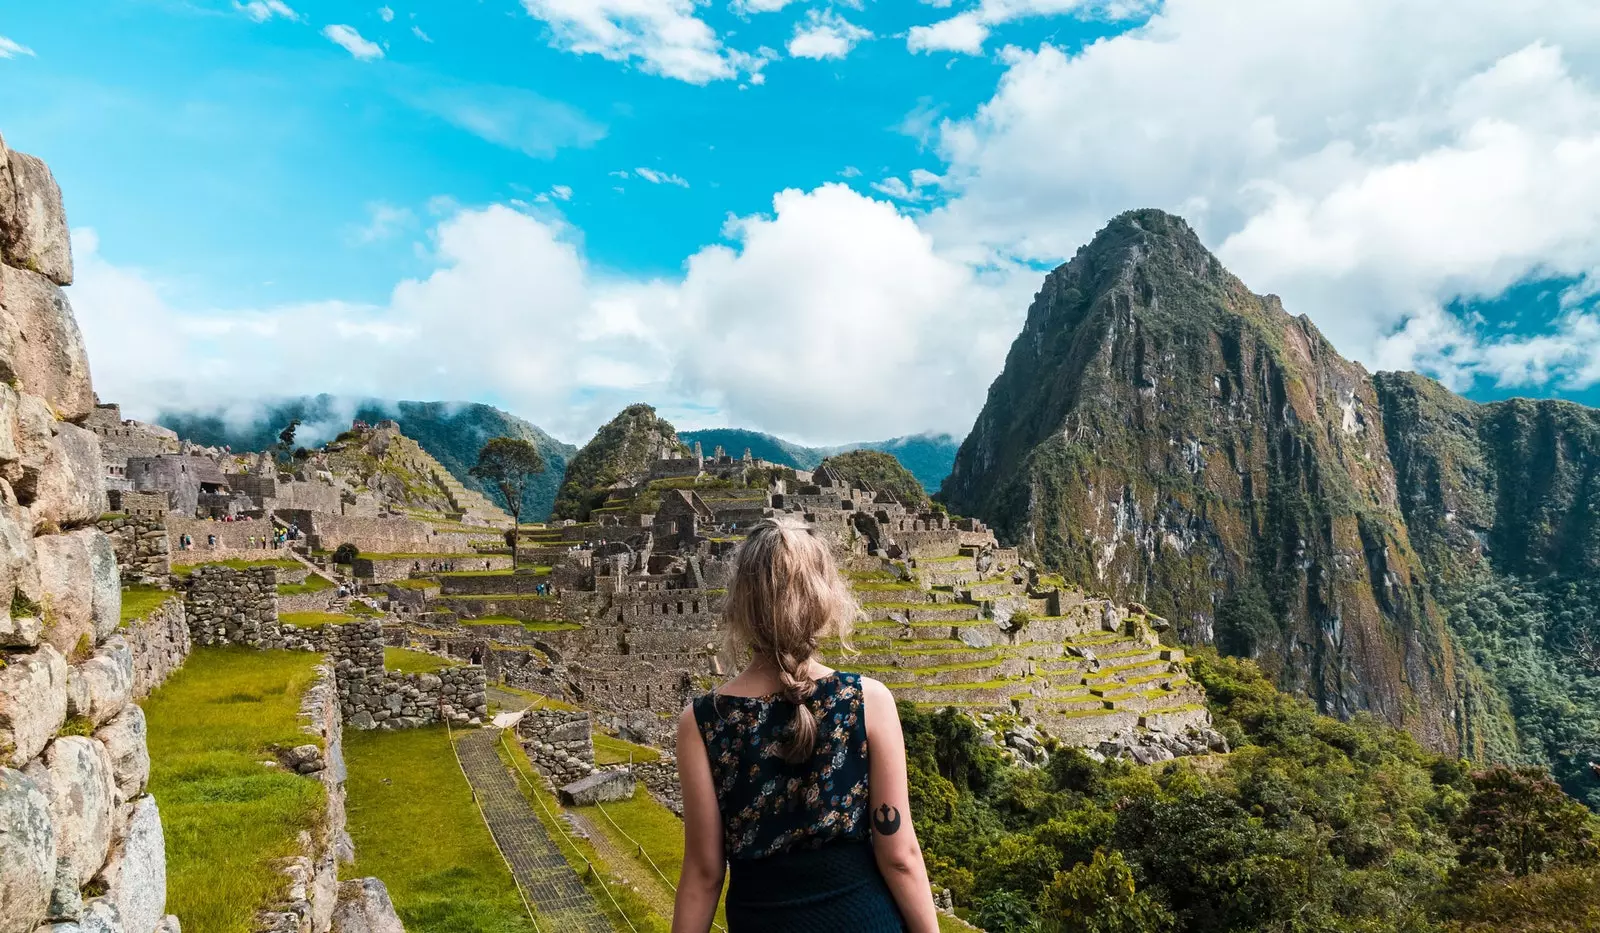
point(961, 634)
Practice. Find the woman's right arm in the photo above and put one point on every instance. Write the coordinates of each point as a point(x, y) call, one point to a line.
point(894, 839)
point(700, 884)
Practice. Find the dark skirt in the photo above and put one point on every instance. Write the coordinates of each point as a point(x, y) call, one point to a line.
point(835, 888)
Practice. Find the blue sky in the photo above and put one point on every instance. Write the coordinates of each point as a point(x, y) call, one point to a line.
point(819, 219)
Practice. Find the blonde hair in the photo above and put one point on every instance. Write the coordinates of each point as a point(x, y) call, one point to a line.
point(785, 597)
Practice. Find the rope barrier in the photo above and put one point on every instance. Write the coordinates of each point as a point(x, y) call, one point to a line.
point(652, 862)
point(562, 830)
point(450, 737)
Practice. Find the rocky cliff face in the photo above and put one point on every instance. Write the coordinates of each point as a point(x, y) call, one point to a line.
point(1164, 435)
point(621, 451)
point(80, 839)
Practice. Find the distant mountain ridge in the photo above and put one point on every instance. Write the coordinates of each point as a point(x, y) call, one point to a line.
point(928, 456)
point(452, 432)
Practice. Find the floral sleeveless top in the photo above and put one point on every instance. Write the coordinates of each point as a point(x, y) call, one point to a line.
point(770, 806)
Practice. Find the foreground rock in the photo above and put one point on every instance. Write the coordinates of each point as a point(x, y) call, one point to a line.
point(605, 787)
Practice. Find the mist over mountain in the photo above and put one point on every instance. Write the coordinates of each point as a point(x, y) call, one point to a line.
point(452, 432)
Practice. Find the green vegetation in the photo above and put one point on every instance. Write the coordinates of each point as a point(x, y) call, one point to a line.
point(1311, 824)
point(532, 626)
point(881, 471)
point(623, 448)
point(314, 619)
point(140, 601)
point(313, 584)
point(643, 823)
point(406, 661)
point(509, 464)
point(226, 817)
point(237, 563)
point(415, 825)
point(610, 750)
point(415, 584)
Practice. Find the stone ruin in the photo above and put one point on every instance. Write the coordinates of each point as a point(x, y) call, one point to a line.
point(81, 845)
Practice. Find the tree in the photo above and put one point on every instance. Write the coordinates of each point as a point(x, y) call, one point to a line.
point(508, 463)
point(286, 439)
point(1099, 896)
point(346, 553)
point(1521, 820)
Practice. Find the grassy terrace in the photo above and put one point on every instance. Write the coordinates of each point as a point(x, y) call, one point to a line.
point(140, 601)
point(238, 563)
point(312, 584)
point(635, 911)
point(610, 750)
point(530, 626)
point(415, 584)
point(406, 661)
point(404, 789)
point(314, 619)
point(227, 817)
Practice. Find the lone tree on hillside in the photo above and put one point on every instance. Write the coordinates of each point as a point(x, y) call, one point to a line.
point(508, 463)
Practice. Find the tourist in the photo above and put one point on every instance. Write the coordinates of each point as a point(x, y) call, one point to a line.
point(813, 825)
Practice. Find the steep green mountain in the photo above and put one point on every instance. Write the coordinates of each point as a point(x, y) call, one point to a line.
point(452, 432)
point(881, 471)
point(927, 456)
point(1163, 435)
point(620, 451)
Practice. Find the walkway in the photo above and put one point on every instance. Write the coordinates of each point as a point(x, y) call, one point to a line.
point(558, 895)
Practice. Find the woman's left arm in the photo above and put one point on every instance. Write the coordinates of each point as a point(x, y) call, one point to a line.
point(704, 864)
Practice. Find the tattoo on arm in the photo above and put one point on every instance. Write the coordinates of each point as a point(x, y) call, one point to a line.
point(886, 820)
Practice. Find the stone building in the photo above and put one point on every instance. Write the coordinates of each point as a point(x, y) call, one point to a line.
point(81, 844)
point(194, 485)
point(121, 439)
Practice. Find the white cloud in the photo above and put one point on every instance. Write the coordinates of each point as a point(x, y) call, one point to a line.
point(263, 10)
point(350, 40)
point(967, 31)
point(1370, 162)
point(383, 222)
point(825, 34)
point(961, 33)
point(746, 7)
point(512, 117)
point(417, 31)
point(658, 178)
point(561, 192)
point(11, 49)
point(897, 189)
point(664, 36)
point(554, 340)
point(386, 14)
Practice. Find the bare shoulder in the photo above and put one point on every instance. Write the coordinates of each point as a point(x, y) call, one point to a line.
point(875, 692)
point(687, 721)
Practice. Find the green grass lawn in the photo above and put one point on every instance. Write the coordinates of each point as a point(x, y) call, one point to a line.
point(415, 826)
point(313, 584)
point(406, 661)
point(237, 563)
point(540, 701)
point(314, 619)
point(610, 750)
point(410, 584)
point(140, 601)
point(532, 626)
point(227, 817)
point(643, 820)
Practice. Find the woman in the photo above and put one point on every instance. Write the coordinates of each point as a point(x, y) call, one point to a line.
point(778, 782)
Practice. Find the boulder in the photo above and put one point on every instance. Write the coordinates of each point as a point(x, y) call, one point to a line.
point(974, 636)
point(27, 853)
point(33, 222)
point(33, 703)
point(135, 877)
point(102, 686)
point(100, 915)
point(41, 349)
point(364, 907)
point(69, 490)
point(605, 787)
point(83, 799)
point(66, 590)
point(169, 924)
point(125, 737)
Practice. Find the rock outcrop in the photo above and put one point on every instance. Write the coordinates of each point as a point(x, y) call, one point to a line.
point(621, 451)
point(1161, 434)
point(80, 841)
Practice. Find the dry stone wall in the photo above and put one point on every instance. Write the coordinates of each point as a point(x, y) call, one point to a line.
point(80, 840)
point(560, 743)
point(159, 643)
point(373, 698)
point(140, 543)
point(233, 606)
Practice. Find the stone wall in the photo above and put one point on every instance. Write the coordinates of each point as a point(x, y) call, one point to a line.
point(141, 546)
point(159, 643)
point(230, 536)
point(560, 743)
point(229, 606)
point(373, 698)
point(372, 535)
point(79, 837)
